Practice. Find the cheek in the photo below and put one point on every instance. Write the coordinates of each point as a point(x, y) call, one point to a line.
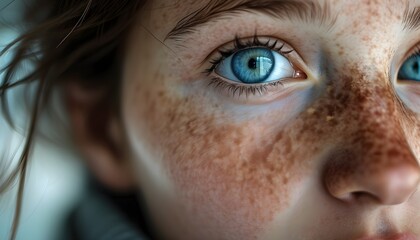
point(230, 174)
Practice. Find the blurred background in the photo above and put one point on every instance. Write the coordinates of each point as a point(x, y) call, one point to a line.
point(56, 180)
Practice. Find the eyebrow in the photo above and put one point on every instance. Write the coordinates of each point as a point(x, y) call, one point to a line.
point(306, 11)
point(411, 18)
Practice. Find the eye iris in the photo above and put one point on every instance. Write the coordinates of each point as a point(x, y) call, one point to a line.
point(410, 70)
point(253, 65)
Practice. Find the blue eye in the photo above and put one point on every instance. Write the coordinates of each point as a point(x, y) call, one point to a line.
point(255, 65)
point(410, 70)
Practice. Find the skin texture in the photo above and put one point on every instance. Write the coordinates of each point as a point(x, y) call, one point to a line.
point(333, 156)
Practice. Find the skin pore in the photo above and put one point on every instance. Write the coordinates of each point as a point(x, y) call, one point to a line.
point(333, 155)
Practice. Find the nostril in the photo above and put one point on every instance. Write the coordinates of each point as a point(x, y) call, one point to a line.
point(357, 194)
point(357, 183)
point(361, 196)
point(358, 197)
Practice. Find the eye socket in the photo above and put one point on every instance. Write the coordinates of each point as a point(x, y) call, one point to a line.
point(410, 70)
point(255, 65)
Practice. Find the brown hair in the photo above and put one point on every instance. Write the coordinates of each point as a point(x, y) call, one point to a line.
point(65, 39)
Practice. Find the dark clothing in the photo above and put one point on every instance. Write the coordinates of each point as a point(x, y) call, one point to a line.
point(106, 216)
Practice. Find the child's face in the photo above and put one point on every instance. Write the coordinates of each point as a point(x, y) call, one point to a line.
point(231, 153)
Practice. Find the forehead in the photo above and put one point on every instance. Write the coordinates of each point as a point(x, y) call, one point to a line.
point(163, 15)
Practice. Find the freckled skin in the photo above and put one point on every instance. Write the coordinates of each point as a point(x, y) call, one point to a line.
point(310, 175)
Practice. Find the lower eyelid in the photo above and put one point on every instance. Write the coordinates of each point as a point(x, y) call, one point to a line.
point(257, 93)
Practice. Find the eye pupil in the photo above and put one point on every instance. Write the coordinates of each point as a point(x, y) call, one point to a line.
point(252, 63)
point(416, 67)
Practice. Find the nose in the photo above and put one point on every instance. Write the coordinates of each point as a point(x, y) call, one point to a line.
point(352, 177)
point(373, 161)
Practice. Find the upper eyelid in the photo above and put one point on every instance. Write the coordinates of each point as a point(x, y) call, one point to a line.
point(230, 46)
point(257, 40)
point(413, 50)
point(225, 44)
point(271, 44)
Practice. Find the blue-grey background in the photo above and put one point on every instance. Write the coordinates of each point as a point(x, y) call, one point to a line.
point(55, 179)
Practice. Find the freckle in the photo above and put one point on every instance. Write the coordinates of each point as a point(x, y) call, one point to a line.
point(368, 145)
point(188, 56)
point(393, 153)
point(279, 136)
point(287, 147)
point(330, 109)
point(330, 89)
point(366, 39)
point(355, 24)
point(252, 200)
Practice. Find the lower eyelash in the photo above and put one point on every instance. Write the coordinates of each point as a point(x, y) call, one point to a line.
point(240, 89)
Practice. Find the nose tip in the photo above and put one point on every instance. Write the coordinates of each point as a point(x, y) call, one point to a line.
point(387, 186)
point(399, 185)
point(391, 187)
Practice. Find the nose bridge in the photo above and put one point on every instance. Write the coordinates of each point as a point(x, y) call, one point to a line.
point(373, 156)
point(376, 131)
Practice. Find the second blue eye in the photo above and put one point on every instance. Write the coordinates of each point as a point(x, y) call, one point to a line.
point(255, 65)
point(410, 70)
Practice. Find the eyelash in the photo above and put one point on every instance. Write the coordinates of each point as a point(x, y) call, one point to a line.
point(237, 88)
